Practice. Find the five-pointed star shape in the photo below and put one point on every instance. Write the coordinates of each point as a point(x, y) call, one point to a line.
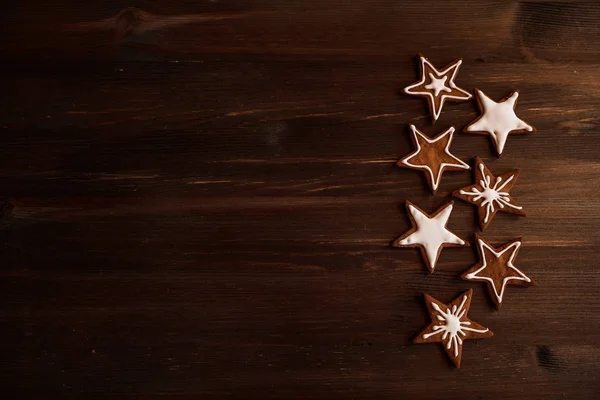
point(429, 233)
point(496, 268)
point(451, 326)
point(498, 119)
point(432, 156)
point(437, 86)
point(490, 194)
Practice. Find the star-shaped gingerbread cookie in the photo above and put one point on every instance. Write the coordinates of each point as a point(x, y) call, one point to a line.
point(429, 233)
point(490, 194)
point(496, 268)
point(432, 156)
point(437, 86)
point(498, 119)
point(450, 325)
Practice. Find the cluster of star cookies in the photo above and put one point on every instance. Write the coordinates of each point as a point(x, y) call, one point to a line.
point(491, 194)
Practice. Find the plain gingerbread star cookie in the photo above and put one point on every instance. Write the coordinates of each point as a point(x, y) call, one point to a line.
point(432, 156)
point(429, 233)
point(496, 268)
point(437, 86)
point(450, 325)
point(498, 119)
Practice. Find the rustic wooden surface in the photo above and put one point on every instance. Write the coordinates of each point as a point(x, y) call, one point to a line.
point(199, 197)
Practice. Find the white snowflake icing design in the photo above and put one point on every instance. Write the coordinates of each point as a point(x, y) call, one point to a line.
point(492, 195)
point(452, 325)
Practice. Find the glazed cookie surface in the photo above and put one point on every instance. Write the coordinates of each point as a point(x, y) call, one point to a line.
point(498, 120)
point(429, 233)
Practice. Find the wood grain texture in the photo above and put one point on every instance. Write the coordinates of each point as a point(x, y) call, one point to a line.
point(198, 199)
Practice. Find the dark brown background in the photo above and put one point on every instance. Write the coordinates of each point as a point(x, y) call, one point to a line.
point(200, 196)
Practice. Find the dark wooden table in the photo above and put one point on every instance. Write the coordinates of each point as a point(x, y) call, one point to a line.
point(199, 199)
